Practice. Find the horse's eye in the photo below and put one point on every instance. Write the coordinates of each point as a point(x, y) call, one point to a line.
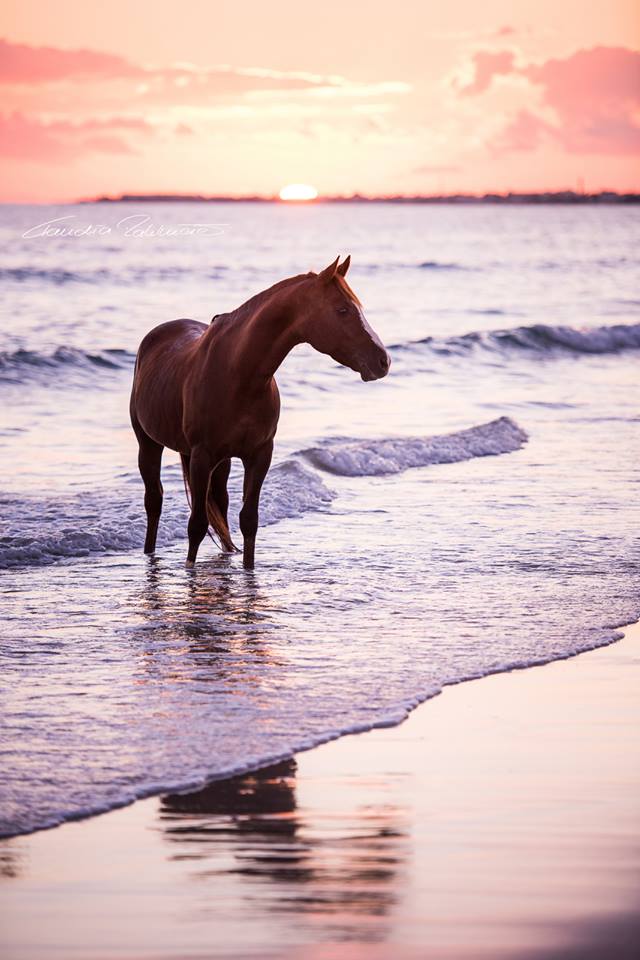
point(343, 310)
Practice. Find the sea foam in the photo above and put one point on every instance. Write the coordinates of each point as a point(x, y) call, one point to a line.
point(367, 458)
point(39, 532)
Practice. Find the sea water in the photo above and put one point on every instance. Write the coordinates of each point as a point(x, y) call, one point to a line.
point(475, 511)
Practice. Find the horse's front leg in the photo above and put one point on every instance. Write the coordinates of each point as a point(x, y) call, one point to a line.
point(199, 471)
point(255, 470)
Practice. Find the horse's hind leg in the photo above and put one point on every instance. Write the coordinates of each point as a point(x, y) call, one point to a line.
point(149, 460)
point(199, 472)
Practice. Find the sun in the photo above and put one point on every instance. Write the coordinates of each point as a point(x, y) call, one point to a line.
point(298, 191)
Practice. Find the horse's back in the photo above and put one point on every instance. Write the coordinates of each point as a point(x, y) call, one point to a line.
point(170, 336)
point(162, 364)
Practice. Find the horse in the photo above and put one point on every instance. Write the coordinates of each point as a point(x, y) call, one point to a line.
point(209, 393)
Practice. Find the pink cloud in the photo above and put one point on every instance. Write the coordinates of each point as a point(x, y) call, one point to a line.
point(611, 75)
point(27, 139)
point(488, 65)
point(21, 63)
point(526, 131)
point(594, 95)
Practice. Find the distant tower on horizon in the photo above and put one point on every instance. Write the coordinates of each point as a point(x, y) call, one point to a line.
point(581, 185)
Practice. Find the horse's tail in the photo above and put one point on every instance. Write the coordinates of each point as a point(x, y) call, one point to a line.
point(184, 460)
point(219, 524)
point(214, 515)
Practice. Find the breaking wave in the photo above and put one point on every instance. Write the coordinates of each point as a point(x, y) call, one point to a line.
point(369, 458)
point(40, 532)
point(127, 276)
point(539, 338)
point(18, 366)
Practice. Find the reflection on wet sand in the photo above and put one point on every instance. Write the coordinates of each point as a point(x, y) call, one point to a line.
point(10, 860)
point(341, 867)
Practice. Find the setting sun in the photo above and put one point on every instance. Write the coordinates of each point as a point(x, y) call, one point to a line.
point(298, 191)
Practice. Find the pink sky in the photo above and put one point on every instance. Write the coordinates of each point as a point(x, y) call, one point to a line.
point(370, 97)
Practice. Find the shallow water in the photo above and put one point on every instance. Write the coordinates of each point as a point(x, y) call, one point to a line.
point(389, 563)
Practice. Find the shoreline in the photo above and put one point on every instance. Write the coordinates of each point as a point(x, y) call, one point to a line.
point(499, 819)
point(404, 712)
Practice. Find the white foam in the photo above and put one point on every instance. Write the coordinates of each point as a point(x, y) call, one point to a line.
point(36, 533)
point(366, 458)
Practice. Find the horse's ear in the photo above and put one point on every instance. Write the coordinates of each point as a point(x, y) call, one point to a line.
point(329, 272)
point(344, 266)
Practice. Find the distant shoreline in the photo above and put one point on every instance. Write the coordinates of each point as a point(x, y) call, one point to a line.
point(558, 197)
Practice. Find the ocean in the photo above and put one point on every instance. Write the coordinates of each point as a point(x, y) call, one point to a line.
point(474, 512)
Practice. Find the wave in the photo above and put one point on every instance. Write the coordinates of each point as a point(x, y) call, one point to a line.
point(47, 531)
point(439, 265)
point(51, 803)
point(540, 338)
point(138, 274)
point(127, 276)
point(19, 365)
point(24, 365)
point(373, 458)
point(40, 532)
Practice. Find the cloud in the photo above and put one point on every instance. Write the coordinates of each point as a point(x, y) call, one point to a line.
point(487, 65)
point(54, 99)
point(611, 74)
point(591, 100)
point(525, 131)
point(29, 139)
point(21, 63)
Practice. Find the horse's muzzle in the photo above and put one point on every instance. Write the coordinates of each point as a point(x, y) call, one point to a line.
point(377, 368)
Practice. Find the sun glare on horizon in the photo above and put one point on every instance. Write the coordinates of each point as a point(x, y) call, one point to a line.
point(298, 191)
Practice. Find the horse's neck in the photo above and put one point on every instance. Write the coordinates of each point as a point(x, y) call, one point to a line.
point(266, 333)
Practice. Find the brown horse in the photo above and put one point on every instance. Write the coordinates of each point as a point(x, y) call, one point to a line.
point(209, 393)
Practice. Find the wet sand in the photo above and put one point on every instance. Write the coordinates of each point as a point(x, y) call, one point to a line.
point(501, 820)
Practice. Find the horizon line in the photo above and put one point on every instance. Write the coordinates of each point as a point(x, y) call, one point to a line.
point(565, 195)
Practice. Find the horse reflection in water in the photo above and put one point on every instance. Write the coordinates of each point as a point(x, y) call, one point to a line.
point(187, 640)
point(339, 862)
point(338, 866)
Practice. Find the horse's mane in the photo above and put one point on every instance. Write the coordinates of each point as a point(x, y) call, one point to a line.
point(254, 302)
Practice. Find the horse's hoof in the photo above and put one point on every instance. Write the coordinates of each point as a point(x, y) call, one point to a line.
point(190, 564)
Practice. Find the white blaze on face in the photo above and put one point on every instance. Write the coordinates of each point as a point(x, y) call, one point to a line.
point(363, 320)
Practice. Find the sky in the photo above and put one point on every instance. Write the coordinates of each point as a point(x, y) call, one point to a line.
point(239, 98)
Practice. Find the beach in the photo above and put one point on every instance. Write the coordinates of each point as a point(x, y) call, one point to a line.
point(319, 435)
point(472, 513)
point(500, 820)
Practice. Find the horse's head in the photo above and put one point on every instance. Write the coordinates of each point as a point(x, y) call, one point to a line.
point(335, 324)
